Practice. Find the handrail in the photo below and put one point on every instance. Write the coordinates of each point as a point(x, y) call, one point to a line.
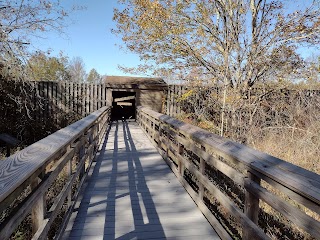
point(193, 154)
point(71, 149)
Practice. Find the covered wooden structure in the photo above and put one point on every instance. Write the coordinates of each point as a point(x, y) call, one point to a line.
point(125, 93)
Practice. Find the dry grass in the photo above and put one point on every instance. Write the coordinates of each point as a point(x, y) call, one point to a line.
point(300, 147)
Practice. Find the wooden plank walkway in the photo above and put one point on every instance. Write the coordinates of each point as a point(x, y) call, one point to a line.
point(132, 194)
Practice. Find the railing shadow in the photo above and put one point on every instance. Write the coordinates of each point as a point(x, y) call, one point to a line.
point(85, 204)
point(110, 184)
point(110, 219)
point(137, 184)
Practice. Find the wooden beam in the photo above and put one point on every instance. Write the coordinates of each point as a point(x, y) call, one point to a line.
point(124, 104)
point(124, 98)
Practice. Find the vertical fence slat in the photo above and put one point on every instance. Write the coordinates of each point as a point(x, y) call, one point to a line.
point(56, 108)
point(35, 102)
point(170, 101)
point(175, 100)
point(99, 103)
point(104, 96)
point(78, 98)
point(39, 105)
point(83, 89)
point(179, 96)
point(87, 99)
point(67, 93)
point(71, 98)
point(74, 98)
point(83, 93)
point(95, 97)
point(91, 98)
point(44, 99)
point(48, 96)
point(60, 102)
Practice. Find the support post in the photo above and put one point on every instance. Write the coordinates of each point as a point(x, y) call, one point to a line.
point(251, 208)
point(180, 166)
point(39, 209)
point(202, 169)
point(81, 155)
point(168, 101)
point(153, 130)
point(69, 172)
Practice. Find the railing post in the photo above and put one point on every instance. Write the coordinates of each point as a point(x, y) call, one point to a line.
point(145, 123)
point(81, 155)
point(69, 173)
point(251, 208)
point(153, 130)
point(94, 138)
point(180, 166)
point(160, 141)
point(166, 135)
point(101, 130)
point(39, 209)
point(202, 169)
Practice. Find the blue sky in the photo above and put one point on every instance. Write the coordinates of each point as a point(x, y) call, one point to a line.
point(89, 37)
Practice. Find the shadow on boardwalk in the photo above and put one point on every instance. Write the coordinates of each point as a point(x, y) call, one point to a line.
point(132, 194)
point(137, 191)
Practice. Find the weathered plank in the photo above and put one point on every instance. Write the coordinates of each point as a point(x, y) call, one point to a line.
point(124, 103)
point(124, 98)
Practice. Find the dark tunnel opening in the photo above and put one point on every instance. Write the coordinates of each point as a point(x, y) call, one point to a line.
point(123, 105)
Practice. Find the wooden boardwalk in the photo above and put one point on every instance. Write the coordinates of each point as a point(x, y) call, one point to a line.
point(132, 194)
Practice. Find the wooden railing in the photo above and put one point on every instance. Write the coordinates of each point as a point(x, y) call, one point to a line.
point(221, 175)
point(29, 173)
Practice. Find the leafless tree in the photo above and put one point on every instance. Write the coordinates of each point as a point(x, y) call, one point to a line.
point(77, 70)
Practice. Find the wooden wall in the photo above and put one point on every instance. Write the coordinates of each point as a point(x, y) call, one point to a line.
point(59, 99)
point(51, 98)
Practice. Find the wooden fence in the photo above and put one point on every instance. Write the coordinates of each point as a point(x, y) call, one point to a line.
point(227, 180)
point(29, 173)
point(51, 98)
point(84, 98)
